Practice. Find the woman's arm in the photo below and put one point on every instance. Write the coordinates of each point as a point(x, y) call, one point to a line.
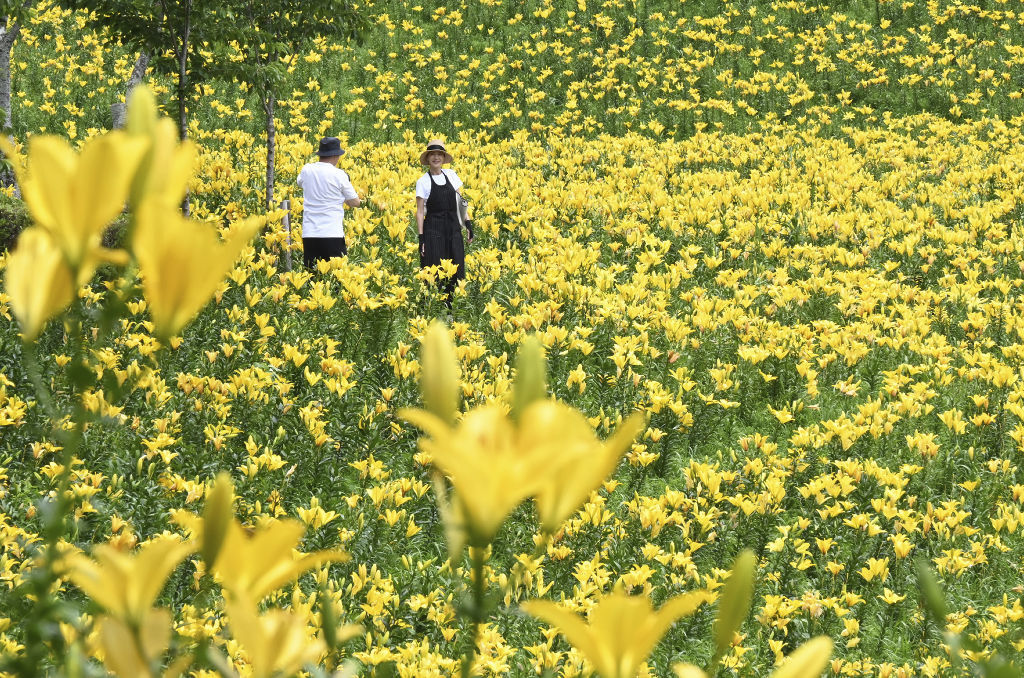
point(421, 211)
point(468, 222)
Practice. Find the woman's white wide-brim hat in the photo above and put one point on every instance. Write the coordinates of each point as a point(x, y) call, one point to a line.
point(435, 145)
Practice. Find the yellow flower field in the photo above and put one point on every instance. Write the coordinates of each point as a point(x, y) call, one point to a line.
point(817, 317)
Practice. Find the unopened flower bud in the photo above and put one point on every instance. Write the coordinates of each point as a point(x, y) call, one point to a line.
point(142, 111)
point(439, 379)
point(217, 516)
point(531, 376)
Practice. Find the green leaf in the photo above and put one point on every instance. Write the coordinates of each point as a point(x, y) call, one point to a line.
point(328, 619)
point(81, 375)
point(734, 604)
point(931, 593)
point(997, 667)
point(217, 516)
point(386, 670)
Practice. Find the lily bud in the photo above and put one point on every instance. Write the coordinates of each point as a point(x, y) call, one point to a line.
point(217, 516)
point(328, 618)
point(39, 282)
point(531, 376)
point(688, 671)
point(807, 661)
point(142, 112)
point(439, 379)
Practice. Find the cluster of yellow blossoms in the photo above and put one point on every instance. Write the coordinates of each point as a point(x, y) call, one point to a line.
point(850, 389)
point(489, 67)
point(74, 196)
point(821, 321)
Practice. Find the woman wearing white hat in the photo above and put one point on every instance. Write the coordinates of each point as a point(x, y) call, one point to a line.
point(437, 215)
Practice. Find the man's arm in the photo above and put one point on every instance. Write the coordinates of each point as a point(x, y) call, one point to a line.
point(348, 191)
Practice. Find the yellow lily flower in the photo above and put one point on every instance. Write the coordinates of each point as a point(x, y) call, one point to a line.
point(579, 461)
point(126, 585)
point(490, 471)
point(688, 671)
point(74, 196)
point(182, 262)
point(252, 567)
point(494, 463)
point(623, 629)
point(807, 661)
point(131, 656)
point(38, 281)
point(495, 459)
point(168, 165)
point(275, 643)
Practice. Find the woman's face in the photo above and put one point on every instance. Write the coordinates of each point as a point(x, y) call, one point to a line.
point(436, 159)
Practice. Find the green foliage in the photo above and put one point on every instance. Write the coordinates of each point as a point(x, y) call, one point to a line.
point(14, 218)
point(659, 68)
point(177, 33)
point(271, 35)
point(964, 651)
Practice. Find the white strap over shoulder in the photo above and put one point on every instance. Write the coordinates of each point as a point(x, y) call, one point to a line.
point(461, 204)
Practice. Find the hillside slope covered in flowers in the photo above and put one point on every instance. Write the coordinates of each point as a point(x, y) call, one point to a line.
point(811, 289)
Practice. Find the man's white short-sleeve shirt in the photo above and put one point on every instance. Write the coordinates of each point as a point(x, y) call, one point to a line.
point(325, 188)
point(424, 183)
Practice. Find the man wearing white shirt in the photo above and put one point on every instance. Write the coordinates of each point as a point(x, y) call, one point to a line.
point(326, 190)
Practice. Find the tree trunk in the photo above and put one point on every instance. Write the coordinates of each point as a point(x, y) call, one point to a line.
point(118, 110)
point(268, 107)
point(8, 34)
point(182, 97)
point(183, 87)
point(183, 116)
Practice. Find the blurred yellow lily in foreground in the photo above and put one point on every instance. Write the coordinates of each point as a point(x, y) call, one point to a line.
point(276, 643)
point(579, 462)
point(490, 471)
point(808, 661)
point(250, 564)
point(129, 653)
point(124, 584)
point(622, 631)
point(494, 463)
point(38, 281)
point(167, 166)
point(74, 196)
point(252, 567)
point(182, 262)
point(496, 459)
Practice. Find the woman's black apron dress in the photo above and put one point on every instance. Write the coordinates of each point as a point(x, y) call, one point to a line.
point(442, 234)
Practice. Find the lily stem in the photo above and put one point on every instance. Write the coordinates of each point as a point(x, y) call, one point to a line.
point(53, 515)
point(478, 556)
